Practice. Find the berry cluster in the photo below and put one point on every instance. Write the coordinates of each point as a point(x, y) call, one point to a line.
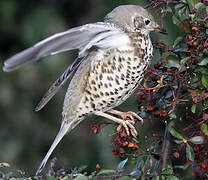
point(123, 144)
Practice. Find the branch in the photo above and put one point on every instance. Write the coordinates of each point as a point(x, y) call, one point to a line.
point(165, 149)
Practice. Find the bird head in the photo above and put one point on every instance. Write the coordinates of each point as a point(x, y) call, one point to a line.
point(133, 18)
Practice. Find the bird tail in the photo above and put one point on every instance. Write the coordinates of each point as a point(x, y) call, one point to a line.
point(65, 127)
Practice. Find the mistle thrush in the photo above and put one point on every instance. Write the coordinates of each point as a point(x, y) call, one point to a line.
point(112, 59)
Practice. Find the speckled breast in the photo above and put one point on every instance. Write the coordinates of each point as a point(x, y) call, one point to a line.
point(113, 79)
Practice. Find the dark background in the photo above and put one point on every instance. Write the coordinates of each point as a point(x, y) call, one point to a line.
point(26, 135)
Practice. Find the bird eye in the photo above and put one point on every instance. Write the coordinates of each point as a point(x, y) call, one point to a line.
point(147, 22)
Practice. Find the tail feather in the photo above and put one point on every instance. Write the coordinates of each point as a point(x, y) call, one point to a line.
point(65, 127)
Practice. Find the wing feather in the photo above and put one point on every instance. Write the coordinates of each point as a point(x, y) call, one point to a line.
point(54, 88)
point(100, 35)
point(75, 38)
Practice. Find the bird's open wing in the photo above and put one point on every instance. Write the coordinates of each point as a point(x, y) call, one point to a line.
point(75, 38)
point(105, 40)
point(100, 35)
point(109, 39)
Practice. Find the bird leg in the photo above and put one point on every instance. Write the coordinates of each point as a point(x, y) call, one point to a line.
point(125, 115)
point(127, 124)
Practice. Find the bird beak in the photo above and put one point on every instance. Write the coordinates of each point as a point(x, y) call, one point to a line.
point(160, 30)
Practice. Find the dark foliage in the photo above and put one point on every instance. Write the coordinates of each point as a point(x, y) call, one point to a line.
point(174, 95)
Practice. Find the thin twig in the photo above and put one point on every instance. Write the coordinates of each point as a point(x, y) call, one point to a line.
point(165, 148)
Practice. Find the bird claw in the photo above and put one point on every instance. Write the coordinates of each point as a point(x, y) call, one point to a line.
point(131, 115)
point(128, 125)
point(126, 121)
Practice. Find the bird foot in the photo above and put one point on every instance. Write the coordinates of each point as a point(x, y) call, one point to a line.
point(128, 121)
point(128, 125)
point(131, 115)
point(126, 115)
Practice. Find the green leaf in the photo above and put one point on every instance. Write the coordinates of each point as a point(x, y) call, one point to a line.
point(193, 108)
point(173, 63)
point(167, 9)
point(204, 62)
point(48, 178)
point(178, 141)
point(203, 70)
point(82, 168)
point(183, 14)
point(177, 41)
point(65, 178)
point(171, 178)
point(125, 178)
point(135, 172)
point(192, 3)
point(199, 6)
point(183, 47)
point(167, 171)
point(162, 177)
point(81, 177)
point(106, 172)
point(176, 21)
point(197, 140)
point(122, 164)
point(190, 152)
point(172, 57)
point(204, 81)
point(173, 116)
point(204, 128)
point(184, 60)
point(158, 178)
point(179, 6)
point(174, 133)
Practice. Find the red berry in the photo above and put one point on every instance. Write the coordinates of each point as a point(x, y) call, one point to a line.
point(205, 116)
point(163, 113)
point(194, 28)
point(123, 134)
point(121, 151)
point(196, 149)
point(95, 130)
point(190, 37)
point(150, 108)
point(125, 143)
point(195, 44)
point(132, 145)
point(114, 152)
point(194, 10)
point(193, 173)
point(97, 166)
point(164, 61)
point(204, 165)
point(176, 154)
